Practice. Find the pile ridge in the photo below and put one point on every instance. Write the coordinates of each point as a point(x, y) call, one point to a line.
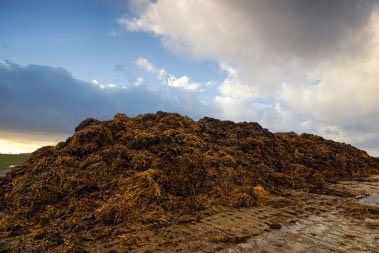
point(157, 169)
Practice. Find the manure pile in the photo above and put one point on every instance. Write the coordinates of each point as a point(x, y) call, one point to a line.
point(157, 168)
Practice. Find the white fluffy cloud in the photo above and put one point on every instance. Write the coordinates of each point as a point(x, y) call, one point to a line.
point(139, 81)
point(303, 65)
point(347, 91)
point(182, 82)
point(149, 67)
point(171, 80)
point(107, 85)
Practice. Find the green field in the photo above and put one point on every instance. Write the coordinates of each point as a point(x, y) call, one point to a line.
point(9, 159)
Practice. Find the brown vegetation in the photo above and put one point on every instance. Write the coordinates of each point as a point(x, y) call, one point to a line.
point(159, 168)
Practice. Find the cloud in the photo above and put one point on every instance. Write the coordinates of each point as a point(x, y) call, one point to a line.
point(139, 81)
point(302, 65)
point(41, 98)
point(171, 80)
point(16, 142)
point(149, 67)
point(182, 83)
point(306, 28)
point(265, 40)
point(37, 98)
point(346, 92)
point(114, 33)
point(232, 86)
point(107, 85)
point(299, 65)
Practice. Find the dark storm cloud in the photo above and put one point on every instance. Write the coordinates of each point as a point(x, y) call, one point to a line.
point(45, 98)
point(310, 28)
point(41, 98)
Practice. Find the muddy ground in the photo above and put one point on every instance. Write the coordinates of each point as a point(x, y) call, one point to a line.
point(297, 222)
point(347, 220)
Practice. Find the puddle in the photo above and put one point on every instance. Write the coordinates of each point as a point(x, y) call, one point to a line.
point(292, 228)
point(372, 199)
point(319, 226)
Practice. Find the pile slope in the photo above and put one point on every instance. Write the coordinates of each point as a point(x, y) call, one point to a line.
point(157, 169)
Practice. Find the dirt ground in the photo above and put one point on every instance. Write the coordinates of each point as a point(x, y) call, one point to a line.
point(310, 223)
point(323, 225)
point(347, 220)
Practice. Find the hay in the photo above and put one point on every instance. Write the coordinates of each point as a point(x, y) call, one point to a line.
point(155, 168)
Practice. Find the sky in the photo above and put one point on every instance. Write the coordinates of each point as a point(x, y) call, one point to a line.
point(290, 65)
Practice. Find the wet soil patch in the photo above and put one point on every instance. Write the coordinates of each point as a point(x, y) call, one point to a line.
point(372, 199)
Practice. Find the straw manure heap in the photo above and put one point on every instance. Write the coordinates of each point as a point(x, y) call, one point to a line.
point(154, 168)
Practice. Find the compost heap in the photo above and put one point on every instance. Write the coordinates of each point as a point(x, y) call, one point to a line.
point(155, 168)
